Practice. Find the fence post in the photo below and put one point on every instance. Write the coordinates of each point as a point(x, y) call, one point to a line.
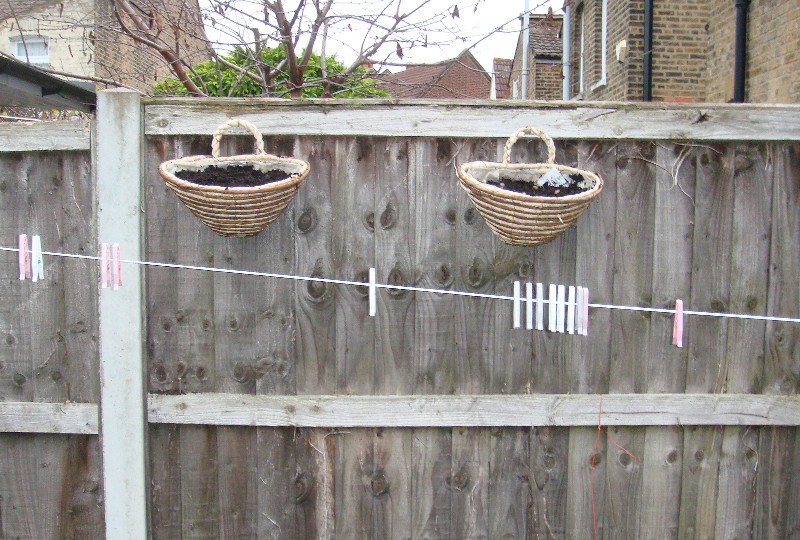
point(118, 168)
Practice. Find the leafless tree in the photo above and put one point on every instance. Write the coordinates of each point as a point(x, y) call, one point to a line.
point(177, 34)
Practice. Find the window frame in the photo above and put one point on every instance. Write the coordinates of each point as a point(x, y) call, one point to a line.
point(20, 49)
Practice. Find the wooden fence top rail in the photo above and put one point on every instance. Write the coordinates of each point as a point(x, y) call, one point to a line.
point(45, 136)
point(478, 410)
point(562, 120)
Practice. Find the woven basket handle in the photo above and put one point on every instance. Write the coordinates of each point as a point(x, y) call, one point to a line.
point(236, 123)
point(551, 148)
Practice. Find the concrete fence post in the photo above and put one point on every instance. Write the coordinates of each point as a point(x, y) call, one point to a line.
point(123, 423)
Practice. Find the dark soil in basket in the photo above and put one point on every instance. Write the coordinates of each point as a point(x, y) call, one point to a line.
point(532, 188)
point(234, 176)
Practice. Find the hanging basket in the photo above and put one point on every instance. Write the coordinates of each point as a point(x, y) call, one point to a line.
point(517, 218)
point(236, 210)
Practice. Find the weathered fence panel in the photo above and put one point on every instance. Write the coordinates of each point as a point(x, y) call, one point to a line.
point(677, 220)
point(51, 482)
point(280, 409)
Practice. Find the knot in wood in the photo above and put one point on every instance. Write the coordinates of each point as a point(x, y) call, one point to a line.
point(303, 487)
point(242, 373)
point(388, 217)
point(307, 221)
point(397, 277)
point(19, 379)
point(379, 484)
point(458, 481)
point(369, 221)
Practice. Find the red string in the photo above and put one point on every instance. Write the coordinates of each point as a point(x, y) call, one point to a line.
point(594, 460)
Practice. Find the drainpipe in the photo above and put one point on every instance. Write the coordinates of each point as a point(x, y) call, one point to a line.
point(566, 52)
point(526, 41)
point(739, 73)
point(647, 84)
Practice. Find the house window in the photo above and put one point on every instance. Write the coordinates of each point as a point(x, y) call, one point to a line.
point(603, 44)
point(33, 49)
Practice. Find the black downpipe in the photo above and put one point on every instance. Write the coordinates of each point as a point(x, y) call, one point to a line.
point(647, 83)
point(739, 73)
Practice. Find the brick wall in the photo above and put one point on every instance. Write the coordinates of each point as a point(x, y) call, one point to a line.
point(693, 50)
point(773, 52)
point(679, 50)
point(547, 80)
point(67, 26)
point(83, 40)
point(119, 57)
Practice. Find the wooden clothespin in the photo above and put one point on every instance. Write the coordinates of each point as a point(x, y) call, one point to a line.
point(105, 265)
point(373, 299)
point(24, 257)
point(37, 262)
point(116, 267)
point(677, 324)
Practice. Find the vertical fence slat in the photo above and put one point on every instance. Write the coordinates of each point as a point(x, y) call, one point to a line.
point(632, 285)
point(469, 470)
point(777, 493)
point(433, 348)
point(394, 334)
point(315, 355)
point(712, 240)
point(508, 352)
point(353, 191)
point(666, 365)
point(122, 412)
point(161, 228)
point(743, 367)
point(594, 268)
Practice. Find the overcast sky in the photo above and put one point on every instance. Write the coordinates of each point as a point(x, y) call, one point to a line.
point(477, 19)
point(475, 24)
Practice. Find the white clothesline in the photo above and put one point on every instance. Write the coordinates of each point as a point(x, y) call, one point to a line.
point(411, 288)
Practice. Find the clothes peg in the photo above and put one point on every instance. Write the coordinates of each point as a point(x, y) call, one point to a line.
point(105, 266)
point(539, 306)
point(37, 262)
point(551, 315)
point(571, 309)
point(561, 304)
point(579, 311)
point(517, 305)
point(373, 300)
point(586, 311)
point(116, 267)
point(529, 306)
point(24, 257)
point(677, 324)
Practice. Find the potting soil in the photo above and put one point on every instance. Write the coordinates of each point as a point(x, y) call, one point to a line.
point(532, 188)
point(233, 176)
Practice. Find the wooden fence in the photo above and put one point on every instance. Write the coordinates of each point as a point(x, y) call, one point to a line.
point(280, 409)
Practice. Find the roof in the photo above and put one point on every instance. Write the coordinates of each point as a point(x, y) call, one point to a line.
point(22, 85)
point(11, 8)
point(545, 41)
point(502, 74)
point(444, 79)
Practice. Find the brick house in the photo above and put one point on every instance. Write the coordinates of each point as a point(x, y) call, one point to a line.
point(544, 60)
point(462, 77)
point(81, 37)
point(692, 50)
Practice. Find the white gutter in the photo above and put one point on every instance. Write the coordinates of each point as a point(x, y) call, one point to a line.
point(565, 41)
point(526, 41)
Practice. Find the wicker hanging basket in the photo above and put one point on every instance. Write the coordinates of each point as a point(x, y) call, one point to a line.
point(236, 211)
point(517, 218)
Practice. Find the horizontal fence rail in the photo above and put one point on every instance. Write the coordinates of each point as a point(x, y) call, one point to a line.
point(476, 411)
point(561, 120)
